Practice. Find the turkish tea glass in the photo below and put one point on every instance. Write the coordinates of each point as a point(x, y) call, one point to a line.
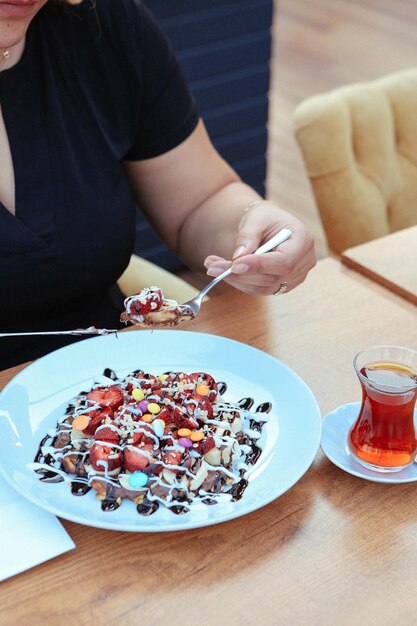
point(383, 437)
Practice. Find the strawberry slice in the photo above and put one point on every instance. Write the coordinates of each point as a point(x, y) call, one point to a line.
point(105, 433)
point(165, 415)
point(206, 406)
point(170, 430)
point(140, 437)
point(148, 300)
point(203, 377)
point(206, 379)
point(96, 418)
point(174, 378)
point(173, 457)
point(195, 404)
point(104, 458)
point(134, 458)
point(208, 445)
point(190, 403)
point(148, 381)
point(106, 396)
point(198, 447)
point(182, 420)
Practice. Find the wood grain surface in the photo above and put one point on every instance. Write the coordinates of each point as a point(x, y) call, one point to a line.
point(390, 260)
point(334, 549)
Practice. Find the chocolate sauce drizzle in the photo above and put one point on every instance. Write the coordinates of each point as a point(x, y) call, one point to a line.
point(238, 489)
point(47, 476)
point(245, 403)
point(265, 407)
point(79, 489)
point(256, 424)
point(253, 456)
point(149, 507)
point(221, 387)
point(209, 501)
point(109, 505)
point(179, 509)
point(109, 373)
point(110, 502)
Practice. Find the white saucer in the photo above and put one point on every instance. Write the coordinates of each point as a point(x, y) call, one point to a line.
point(335, 428)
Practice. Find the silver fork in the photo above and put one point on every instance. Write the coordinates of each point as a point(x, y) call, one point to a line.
point(92, 330)
point(195, 303)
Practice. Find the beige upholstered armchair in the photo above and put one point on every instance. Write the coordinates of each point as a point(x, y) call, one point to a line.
point(359, 145)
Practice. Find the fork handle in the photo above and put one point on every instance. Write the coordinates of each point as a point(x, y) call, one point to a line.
point(213, 283)
point(78, 331)
point(276, 240)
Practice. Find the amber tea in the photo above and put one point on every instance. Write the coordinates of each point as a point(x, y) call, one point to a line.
point(383, 436)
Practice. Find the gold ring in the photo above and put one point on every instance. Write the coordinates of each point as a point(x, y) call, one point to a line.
point(282, 288)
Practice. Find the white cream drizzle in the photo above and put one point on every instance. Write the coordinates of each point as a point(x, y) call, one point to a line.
point(222, 421)
point(49, 468)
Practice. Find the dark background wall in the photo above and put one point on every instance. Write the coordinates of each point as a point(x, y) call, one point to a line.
point(224, 48)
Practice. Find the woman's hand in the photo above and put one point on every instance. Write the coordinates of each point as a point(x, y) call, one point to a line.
point(265, 274)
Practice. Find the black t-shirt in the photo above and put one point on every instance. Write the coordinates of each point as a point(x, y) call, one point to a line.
point(95, 86)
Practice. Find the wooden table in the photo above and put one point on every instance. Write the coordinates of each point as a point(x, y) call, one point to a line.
point(390, 261)
point(334, 549)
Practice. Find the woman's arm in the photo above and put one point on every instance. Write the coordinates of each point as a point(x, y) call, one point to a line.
point(189, 194)
point(198, 205)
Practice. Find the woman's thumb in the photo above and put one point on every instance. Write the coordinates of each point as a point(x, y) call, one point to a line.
point(248, 236)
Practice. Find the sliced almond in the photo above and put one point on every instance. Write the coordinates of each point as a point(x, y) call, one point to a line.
point(169, 476)
point(199, 478)
point(213, 456)
point(226, 456)
point(236, 425)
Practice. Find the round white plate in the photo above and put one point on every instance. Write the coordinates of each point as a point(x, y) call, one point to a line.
point(37, 397)
point(335, 429)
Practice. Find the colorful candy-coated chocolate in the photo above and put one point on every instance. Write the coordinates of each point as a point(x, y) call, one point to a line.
point(81, 422)
point(197, 435)
point(153, 407)
point(137, 394)
point(185, 442)
point(143, 406)
point(137, 480)
point(158, 427)
point(202, 390)
point(162, 377)
point(184, 432)
point(147, 417)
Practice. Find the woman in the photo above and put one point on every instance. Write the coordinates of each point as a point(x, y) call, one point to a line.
point(95, 117)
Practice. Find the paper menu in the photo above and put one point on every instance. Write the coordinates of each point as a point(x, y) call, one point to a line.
point(28, 535)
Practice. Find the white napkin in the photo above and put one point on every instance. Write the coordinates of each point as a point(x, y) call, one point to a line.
point(28, 535)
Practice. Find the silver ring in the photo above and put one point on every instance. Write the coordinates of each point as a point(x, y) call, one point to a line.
point(282, 288)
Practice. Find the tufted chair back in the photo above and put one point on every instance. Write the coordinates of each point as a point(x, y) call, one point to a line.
point(359, 145)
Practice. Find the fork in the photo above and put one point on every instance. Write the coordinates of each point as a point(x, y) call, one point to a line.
point(77, 331)
point(195, 303)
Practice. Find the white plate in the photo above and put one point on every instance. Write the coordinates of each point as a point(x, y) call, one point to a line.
point(34, 400)
point(334, 445)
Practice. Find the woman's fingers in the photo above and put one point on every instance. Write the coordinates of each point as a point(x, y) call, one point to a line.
point(264, 274)
point(264, 281)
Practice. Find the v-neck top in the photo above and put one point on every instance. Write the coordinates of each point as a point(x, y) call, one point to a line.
point(97, 84)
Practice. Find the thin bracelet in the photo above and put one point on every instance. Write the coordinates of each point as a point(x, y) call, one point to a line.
point(255, 202)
